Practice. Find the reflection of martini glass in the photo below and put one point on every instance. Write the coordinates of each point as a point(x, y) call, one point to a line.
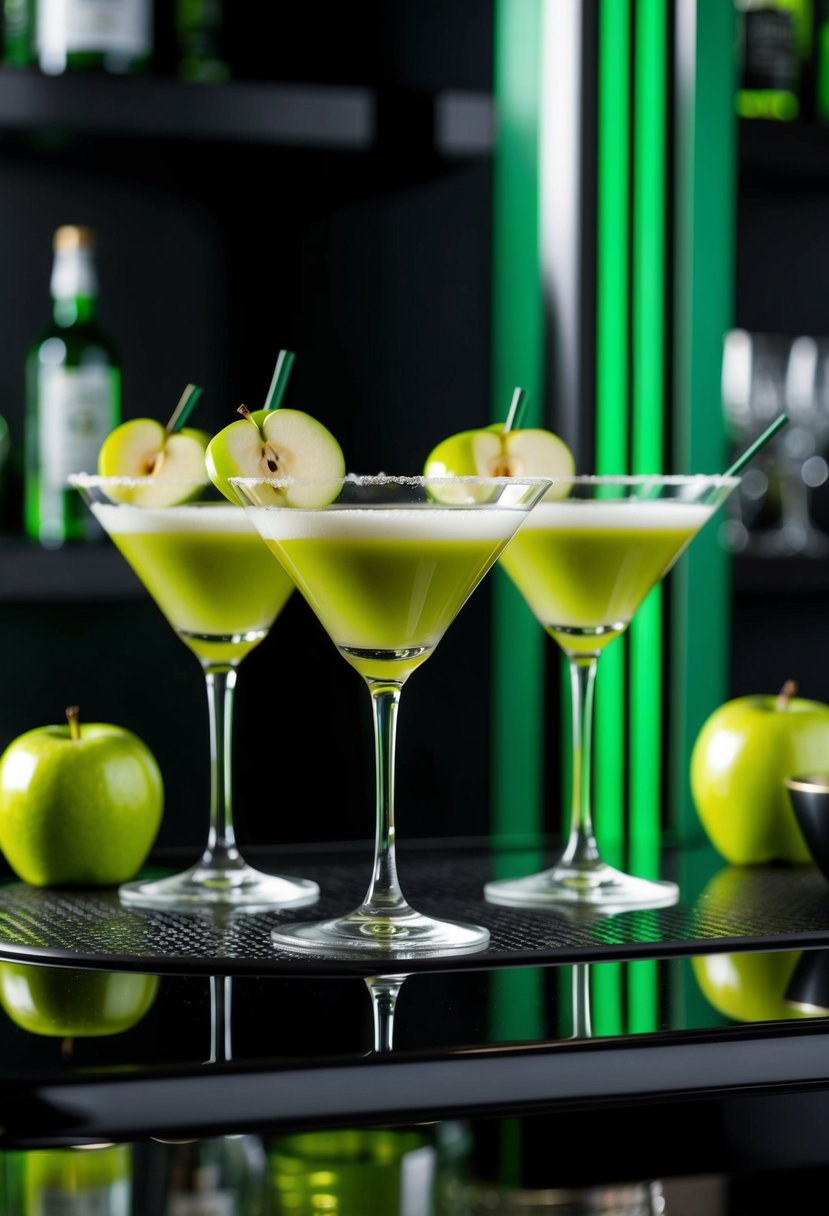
point(584, 564)
point(206, 569)
point(386, 569)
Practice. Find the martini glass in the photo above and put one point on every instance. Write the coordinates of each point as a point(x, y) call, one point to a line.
point(386, 568)
point(205, 567)
point(584, 563)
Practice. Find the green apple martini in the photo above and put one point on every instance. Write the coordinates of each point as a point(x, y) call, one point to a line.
point(386, 567)
point(584, 562)
point(207, 571)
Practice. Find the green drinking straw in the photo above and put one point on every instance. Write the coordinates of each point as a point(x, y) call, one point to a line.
point(184, 409)
point(516, 408)
point(281, 375)
point(760, 442)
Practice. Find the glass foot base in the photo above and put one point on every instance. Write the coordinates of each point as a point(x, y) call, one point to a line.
point(364, 934)
point(234, 887)
point(596, 886)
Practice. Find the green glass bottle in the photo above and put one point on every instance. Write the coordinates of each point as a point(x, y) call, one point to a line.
point(199, 36)
point(94, 35)
point(18, 33)
point(73, 396)
point(94, 1181)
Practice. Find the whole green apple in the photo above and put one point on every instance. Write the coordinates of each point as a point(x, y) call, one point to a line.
point(79, 805)
point(62, 1003)
point(738, 764)
point(748, 987)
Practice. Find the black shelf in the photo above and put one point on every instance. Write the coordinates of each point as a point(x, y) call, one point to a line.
point(773, 576)
point(458, 123)
point(79, 573)
point(783, 156)
point(311, 116)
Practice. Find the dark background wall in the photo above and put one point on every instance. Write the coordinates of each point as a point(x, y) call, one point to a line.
point(373, 265)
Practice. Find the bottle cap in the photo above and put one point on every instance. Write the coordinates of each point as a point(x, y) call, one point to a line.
point(71, 237)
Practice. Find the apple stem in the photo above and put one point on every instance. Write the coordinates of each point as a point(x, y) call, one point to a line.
point(74, 725)
point(186, 405)
point(516, 408)
point(785, 695)
point(67, 1047)
point(248, 416)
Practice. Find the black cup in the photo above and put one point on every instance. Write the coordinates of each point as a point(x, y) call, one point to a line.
point(808, 988)
point(809, 797)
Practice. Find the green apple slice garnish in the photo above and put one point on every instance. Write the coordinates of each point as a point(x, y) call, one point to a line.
point(278, 444)
point(143, 448)
point(497, 452)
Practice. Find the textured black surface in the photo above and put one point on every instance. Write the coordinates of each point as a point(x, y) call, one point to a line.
point(760, 908)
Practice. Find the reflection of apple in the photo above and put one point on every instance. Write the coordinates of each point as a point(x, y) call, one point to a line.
point(278, 444)
point(144, 448)
point(78, 804)
point(739, 761)
point(496, 452)
point(748, 987)
point(63, 1003)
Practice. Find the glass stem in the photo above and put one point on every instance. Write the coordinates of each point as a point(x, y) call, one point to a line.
point(384, 894)
point(581, 848)
point(384, 991)
point(221, 848)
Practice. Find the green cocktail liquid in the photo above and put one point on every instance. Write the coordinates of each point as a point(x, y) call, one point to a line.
point(585, 567)
point(207, 570)
point(387, 583)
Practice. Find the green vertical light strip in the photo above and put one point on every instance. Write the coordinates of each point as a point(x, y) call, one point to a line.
point(612, 284)
point(518, 666)
point(648, 405)
point(518, 642)
point(705, 198)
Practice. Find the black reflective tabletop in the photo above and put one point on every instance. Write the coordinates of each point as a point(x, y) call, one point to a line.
point(721, 908)
point(105, 1034)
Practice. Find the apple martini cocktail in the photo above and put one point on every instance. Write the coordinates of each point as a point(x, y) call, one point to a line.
point(386, 567)
point(584, 561)
point(207, 570)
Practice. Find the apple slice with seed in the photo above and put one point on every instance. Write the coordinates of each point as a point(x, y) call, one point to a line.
point(278, 444)
point(172, 457)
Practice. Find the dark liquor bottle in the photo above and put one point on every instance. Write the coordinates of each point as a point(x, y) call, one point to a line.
point(774, 42)
point(73, 396)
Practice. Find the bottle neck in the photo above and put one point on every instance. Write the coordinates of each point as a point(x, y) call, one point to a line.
point(74, 287)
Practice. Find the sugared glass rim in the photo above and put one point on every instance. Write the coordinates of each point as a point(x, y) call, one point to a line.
point(91, 481)
point(583, 479)
point(387, 479)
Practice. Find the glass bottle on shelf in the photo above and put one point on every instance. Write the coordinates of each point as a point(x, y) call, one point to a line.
point(774, 39)
point(84, 1181)
point(225, 1176)
point(73, 396)
point(199, 36)
point(18, 35)
point(93, 35)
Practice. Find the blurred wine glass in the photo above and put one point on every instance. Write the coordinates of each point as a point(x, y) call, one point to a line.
point(763, 375)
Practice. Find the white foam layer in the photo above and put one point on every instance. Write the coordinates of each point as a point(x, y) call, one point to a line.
point(388, 523)
point(126, 520)
point(656, 515)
